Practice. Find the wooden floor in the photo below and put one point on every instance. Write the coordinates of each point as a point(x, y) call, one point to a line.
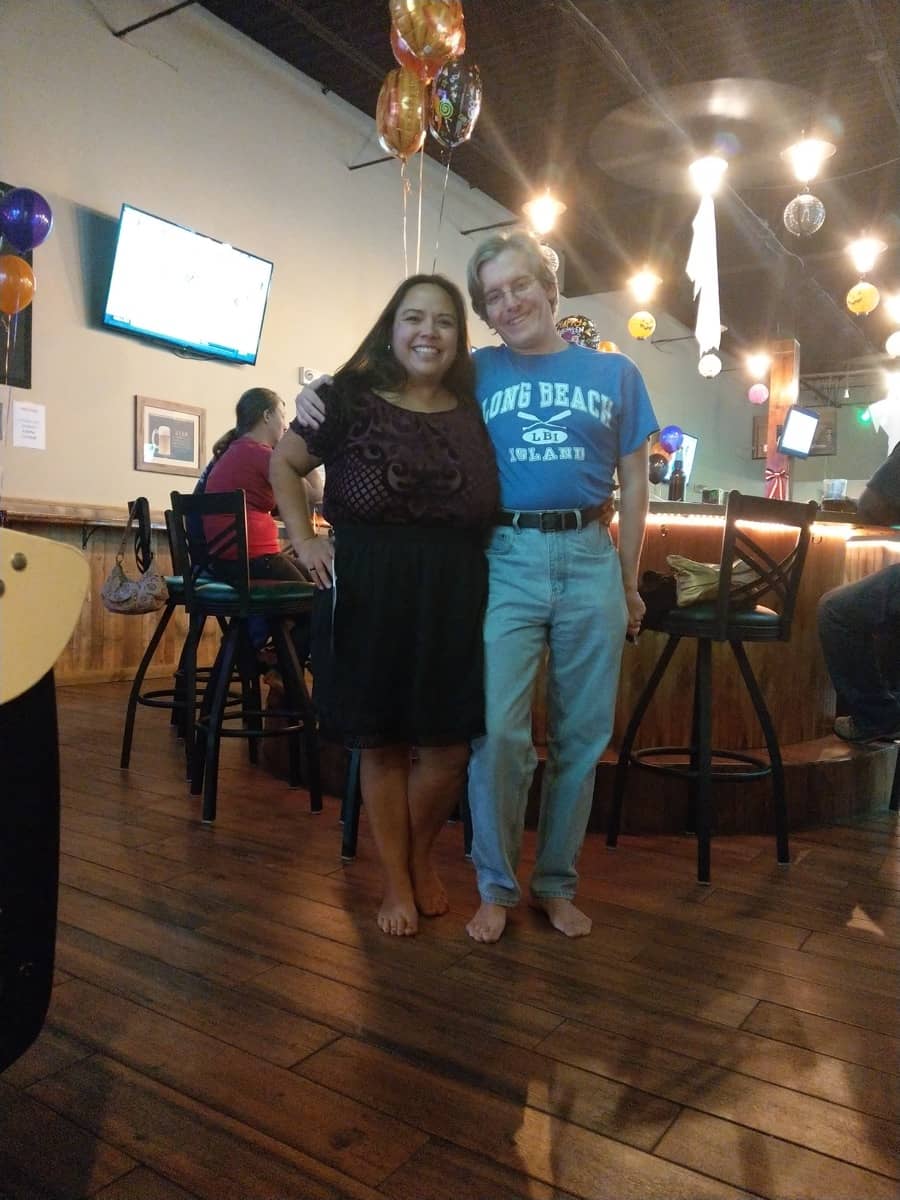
point(229, 1023)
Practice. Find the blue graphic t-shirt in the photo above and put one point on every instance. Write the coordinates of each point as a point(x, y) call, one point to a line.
point(560, 422)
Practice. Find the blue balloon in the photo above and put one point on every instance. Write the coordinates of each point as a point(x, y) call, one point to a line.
point(671, 438)
point(25, 218)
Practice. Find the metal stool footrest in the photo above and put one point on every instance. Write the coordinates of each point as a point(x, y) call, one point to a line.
point(638, 758)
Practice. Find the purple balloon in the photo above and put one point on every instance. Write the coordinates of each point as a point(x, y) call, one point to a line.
point(671, 438)
point(25, 218)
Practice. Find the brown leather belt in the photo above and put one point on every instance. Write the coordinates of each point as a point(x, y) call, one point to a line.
point(555, 520)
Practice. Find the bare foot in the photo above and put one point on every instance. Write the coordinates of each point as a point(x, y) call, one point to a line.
point(564, 916)
point(488, 923)
point(431, 898)
point(397, 915)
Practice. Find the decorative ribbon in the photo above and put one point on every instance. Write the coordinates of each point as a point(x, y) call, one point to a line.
point(777, 483)
point(703, 271)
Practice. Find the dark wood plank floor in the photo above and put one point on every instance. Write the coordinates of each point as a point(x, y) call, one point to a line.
point(228, 1022)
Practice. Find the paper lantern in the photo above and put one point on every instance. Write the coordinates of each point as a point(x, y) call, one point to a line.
point(892, 345)
point(709, 366)
point(863, 298)
point(758, 394)
point(641, 325)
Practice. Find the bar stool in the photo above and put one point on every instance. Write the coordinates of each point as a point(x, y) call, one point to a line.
point(172, 697)
point(236, 602)
point(734, 616)
point(351, 804)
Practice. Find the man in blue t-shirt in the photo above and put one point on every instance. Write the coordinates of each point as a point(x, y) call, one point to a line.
point(566, 422)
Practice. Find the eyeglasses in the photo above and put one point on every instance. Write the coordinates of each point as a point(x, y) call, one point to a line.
point(517, 290)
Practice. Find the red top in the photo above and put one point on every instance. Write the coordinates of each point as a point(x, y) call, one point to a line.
point(245, 464)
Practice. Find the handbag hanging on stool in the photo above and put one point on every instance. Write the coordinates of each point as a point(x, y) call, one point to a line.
point(146, 594)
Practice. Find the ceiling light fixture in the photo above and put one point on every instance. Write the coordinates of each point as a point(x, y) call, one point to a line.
point(643, 285)
point(758, 364)
point(865, 252)
point(805, 214)
point(543, 211)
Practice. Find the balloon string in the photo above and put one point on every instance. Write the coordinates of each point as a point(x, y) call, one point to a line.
point(437, 239)
point(419, 229)
point(404, 184)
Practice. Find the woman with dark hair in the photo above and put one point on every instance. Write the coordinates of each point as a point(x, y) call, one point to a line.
point(241, 459)
point(411, 487)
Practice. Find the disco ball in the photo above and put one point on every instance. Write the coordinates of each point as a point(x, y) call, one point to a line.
point(709, 366)
point(805, 215)
point(551, 258)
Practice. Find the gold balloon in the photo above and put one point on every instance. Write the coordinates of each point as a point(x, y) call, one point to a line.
point(608, 347)
point(400, 115)
point(641, 325)
point(863, 298)
point(433, 30)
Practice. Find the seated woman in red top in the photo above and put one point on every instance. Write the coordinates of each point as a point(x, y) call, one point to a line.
point(241, 459)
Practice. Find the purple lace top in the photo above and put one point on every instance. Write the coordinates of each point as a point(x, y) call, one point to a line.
point(387, 466)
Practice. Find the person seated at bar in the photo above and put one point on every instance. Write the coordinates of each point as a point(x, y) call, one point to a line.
point(410, 491)
point(859, 628)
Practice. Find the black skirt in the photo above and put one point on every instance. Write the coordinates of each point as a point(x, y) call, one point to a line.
point(397, 651)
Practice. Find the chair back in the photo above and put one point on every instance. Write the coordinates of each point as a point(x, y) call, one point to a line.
point(200, 545)
point(177, 553)
point(775, 580)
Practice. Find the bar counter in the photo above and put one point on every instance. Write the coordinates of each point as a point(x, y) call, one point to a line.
point(825, 777)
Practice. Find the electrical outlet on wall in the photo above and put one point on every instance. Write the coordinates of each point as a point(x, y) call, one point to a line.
point(308, 374)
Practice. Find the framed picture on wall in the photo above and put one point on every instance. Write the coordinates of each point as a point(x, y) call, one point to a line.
point(15, 330)
point(168, 438)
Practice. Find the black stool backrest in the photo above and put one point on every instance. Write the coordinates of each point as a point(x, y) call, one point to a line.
point(776, 580)
point(139, 510)
point(201, 554)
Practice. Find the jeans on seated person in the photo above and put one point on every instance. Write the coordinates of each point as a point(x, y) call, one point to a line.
point(859, 628)
point(272, 567)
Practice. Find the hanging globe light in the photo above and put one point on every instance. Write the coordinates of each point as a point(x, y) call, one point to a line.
point(709, 366)
point(863, 298)
point(641, 325)
point(804, 215)
point(892, 345)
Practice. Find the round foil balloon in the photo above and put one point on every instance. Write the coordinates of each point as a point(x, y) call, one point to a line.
point(25, 218)
point(658, 464)
point(758, 393)
point(16, 284)
point(432, 29)
point(863, 298)
point(671, 438)
point(400, 115)
point(406, 58)
point(608, 347)
point(641, 325)
point(580, 330)
point(455, 103)
point(804, 215)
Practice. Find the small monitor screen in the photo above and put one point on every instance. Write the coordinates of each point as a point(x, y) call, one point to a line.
point(178, 286)
point(688, 452)
point(798, 432)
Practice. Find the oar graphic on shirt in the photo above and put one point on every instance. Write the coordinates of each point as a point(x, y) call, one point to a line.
point(541, 432)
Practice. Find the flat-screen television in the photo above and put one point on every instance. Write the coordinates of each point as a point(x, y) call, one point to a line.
point(177, 286)
point(798, 432)
point(688, 452)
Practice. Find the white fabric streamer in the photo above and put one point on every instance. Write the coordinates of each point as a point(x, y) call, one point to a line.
point(703, 271)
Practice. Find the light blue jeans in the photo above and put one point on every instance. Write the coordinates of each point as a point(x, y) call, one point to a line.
point(563, 591)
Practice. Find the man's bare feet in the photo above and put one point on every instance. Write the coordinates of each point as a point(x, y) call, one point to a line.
point(488, 923)
point(398, 915)
point(564, 916)
point(431, 897)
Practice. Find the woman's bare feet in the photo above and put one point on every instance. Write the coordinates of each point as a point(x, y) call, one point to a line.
point(488, 923)
point(431, 897)
point(398, 915)
point(564, 916)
